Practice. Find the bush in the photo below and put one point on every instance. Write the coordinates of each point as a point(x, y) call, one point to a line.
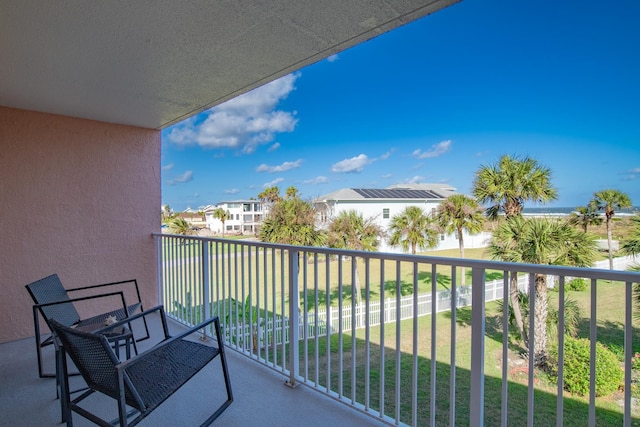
point(577, 285)
point(609, 374)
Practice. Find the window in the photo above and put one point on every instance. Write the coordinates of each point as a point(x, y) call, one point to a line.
point(442, 237)
point(247, 218)
point(246, 207)
point(385, 213)
point(257, 207)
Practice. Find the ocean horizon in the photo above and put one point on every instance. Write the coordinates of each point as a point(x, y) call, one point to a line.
point(547, 210)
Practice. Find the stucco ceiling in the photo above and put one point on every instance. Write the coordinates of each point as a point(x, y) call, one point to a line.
point(153, 63)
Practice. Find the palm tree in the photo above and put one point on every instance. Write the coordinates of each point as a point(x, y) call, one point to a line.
point(223, 216)
point(631, 246)
point(413, 228)
point(179, 225)
point(507, 184)
point(457, 213)
point(350, 230)
point(584, 216)
point(542, 241)
point(610, 201)
point(631, 243)
point(270, 196)
point(291, 221)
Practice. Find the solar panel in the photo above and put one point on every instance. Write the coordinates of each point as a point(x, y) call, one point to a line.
point(396, 193)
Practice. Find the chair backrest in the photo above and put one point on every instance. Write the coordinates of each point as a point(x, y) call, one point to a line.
point(95, 360)
point(49, 290)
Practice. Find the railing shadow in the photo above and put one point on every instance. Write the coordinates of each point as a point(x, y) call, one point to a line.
point(544, 410)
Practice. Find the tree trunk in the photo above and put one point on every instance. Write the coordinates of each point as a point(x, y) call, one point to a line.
point(515, 306)
point(609, 242)
point(461, 246)
point(540, 322)
point(356, 304)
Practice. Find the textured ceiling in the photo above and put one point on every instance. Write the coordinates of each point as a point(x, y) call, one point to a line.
point(153, 63)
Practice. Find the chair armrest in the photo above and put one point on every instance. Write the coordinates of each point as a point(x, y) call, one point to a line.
point(130, 319)
point(137, 358)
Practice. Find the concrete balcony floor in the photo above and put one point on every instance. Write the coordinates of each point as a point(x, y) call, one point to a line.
point(260, 396)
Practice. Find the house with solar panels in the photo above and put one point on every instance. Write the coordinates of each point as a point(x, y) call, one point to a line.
point(383, 204)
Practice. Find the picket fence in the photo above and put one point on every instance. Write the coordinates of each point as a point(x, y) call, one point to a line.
point(274, 330)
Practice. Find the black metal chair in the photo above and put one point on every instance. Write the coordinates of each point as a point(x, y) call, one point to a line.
point(52, 301)
point(139, 384)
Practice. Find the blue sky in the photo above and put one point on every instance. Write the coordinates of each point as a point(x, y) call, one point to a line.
point(431, 102)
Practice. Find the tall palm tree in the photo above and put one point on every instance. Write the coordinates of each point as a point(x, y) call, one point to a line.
point(507, 184)
point(413, 228)
point(610, 201)
point(542, 241)
point(350, 230)
point(458, 213)
point(584, 216)
point(223, 216)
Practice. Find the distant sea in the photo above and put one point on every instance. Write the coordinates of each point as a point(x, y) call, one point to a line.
point(545, 210)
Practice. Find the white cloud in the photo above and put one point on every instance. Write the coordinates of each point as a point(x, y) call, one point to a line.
point(415, 180)
point(167, 167)
point(274, 147)
point(386, 155)
point(435, 151)
point(242, 123)
point(181, 179)
point(333, 58)
point(635, 170)
point(280, 168)
point(352, 165)
point(231, 191)
point(386, 176)
point(317, 180)
point(272, 183)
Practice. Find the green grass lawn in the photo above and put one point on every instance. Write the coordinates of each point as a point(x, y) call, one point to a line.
point(610, 331)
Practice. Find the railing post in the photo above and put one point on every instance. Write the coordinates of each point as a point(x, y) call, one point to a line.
point(476, 415)
point(206, 293)
point(160, 269)
point(294, 320)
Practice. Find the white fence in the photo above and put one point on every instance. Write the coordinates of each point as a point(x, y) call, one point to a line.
point(336, 320)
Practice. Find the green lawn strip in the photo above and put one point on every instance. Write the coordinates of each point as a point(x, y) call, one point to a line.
point(608, 411)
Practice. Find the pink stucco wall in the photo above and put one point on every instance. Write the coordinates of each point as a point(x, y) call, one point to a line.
point(78, 198)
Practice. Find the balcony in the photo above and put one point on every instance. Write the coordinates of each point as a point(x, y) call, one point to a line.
point(415, 341)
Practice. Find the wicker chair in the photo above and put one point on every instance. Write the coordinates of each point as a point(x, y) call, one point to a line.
point(139, 384)
point(52, 301)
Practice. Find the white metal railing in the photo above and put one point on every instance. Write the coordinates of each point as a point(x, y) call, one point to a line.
point(270, 299)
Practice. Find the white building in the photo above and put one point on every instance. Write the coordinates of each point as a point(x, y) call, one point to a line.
point(383, 204)
point(245, 217)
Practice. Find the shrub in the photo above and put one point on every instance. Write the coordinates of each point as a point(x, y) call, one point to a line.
point(577, 285)
point(609, 374)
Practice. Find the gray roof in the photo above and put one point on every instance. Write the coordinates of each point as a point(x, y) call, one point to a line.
point(406, 192)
